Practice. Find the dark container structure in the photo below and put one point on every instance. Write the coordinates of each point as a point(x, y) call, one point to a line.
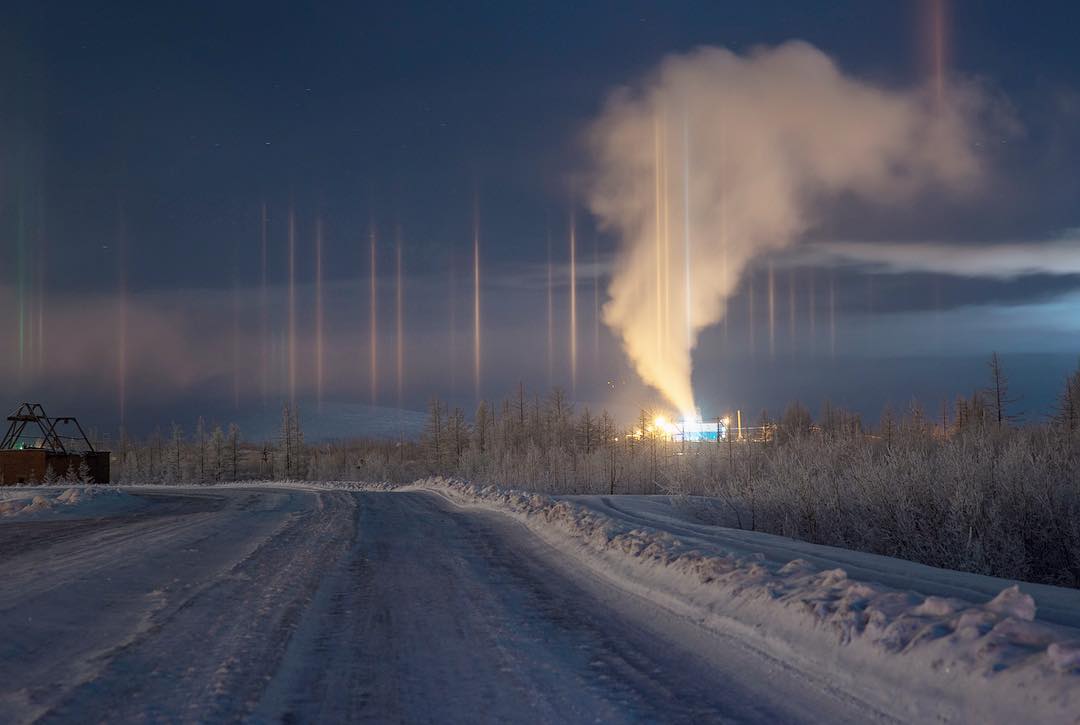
point(34, 443)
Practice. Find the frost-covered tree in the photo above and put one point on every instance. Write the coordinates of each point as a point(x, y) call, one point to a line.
point(234, 451)
point(200, 449)
point(290, 443)
point(217, 450)
point(267, 460)
point(1067, 414)
point(434, 437)
point(84, 472)
point(457, 429)
point(997, 394)
point(175, 469)
point(154, 456)
point(480, 427)
point(796, 421)
point(586, 431)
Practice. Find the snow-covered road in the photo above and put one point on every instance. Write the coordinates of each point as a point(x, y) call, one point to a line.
point(321, 605)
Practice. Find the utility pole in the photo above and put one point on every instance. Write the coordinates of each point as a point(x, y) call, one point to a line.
point(730, 453)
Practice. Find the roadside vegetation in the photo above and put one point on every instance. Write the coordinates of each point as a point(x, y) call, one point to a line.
point(969, 487)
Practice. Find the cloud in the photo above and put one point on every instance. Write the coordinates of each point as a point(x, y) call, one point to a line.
point(1059, 257)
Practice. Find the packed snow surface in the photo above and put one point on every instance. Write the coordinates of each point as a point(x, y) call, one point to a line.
point(449, 602)
point(906, 646)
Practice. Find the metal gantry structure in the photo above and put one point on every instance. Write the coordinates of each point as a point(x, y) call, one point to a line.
point(30, 416)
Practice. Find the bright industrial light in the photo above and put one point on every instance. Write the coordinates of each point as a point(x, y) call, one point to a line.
point(726, 421)
point(665, 426)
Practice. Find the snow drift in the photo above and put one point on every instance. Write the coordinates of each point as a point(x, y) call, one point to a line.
point(925, 655)
point(66, 503)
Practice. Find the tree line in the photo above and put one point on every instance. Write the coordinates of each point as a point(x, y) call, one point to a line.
point(968, 486)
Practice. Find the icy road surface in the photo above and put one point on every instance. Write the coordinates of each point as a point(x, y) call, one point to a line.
point(295, 605)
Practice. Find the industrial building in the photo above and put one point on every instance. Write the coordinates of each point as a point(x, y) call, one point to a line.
point(689, 431)
point(35, 443)
point(697, 431)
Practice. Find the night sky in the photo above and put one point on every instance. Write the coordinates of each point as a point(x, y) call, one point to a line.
point(140, 144)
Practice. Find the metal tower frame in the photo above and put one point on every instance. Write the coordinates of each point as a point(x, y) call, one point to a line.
point(33, 414)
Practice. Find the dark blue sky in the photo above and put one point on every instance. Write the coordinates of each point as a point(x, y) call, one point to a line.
point(139, 140)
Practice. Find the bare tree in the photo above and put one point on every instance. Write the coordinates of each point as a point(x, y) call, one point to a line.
point(998, 393)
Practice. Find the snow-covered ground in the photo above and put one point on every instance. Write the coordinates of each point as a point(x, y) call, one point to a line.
point(55, 503)
point(917, 642)
point(452, 603)
point(697, 521)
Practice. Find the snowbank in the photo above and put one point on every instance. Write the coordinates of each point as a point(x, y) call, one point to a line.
point(74, 502)
point(915, 655)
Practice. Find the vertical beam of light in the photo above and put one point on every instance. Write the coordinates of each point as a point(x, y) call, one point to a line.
point(686, 236)
point(939, 317)
point(791, 309)
point(573, 304)
point(453, 323)
point(281, 341)
point(832, 315)
point(400, 318)
point(596, 302)
point(550, 317)
point(750, 312)
point(235, 339)
point(20, 284)
point(292, 307)
point(870, 304)
point(476, 302)
point(772, 311)
point(659, 238)
point(319, 319)
point(373, 322)
point(277, 357)
point(811, 298)
point(666, 316)
point(264, 322)
point(235, 336)
point(938, 31)
point(723, 227)
point(121, 348)
point(39, 337)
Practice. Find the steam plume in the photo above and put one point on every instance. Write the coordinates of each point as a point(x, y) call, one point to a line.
point(717, 158)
